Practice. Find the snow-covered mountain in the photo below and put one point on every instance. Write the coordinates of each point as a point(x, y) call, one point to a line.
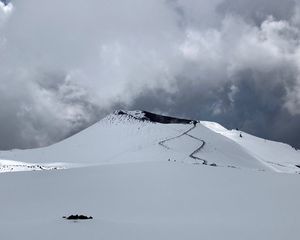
point(144, 176)
point(139, 136)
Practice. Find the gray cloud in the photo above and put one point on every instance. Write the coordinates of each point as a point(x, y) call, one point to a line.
point(258, 10)
point(241, 75)
point(60, 74)
point(65, 64)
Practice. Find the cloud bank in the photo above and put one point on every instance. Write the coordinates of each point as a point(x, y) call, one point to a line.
point(65, 64)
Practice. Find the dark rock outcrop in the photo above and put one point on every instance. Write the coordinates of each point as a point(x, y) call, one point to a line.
point(157, 118)
point(78, 217)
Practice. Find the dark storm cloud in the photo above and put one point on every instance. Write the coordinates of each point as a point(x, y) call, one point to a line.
point(258, 10)
point(65, 64)
point(257, 108)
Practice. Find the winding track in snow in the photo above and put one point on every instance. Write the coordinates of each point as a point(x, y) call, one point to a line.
point(192, 155)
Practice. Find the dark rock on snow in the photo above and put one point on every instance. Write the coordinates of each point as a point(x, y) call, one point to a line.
point(77, 217)
point(156, 118)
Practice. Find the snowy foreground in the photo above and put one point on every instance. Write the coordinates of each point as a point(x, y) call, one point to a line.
point(158, 200)
point(146, 180)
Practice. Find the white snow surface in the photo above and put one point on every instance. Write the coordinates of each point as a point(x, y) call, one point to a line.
point(16, 166)
point(150, 200)
point(278, 156)
point(142, 180)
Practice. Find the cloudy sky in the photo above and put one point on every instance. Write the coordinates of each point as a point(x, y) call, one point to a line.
point(66, 64)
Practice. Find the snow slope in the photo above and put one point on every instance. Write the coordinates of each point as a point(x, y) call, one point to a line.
point(278, 156)
point(128, 137)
